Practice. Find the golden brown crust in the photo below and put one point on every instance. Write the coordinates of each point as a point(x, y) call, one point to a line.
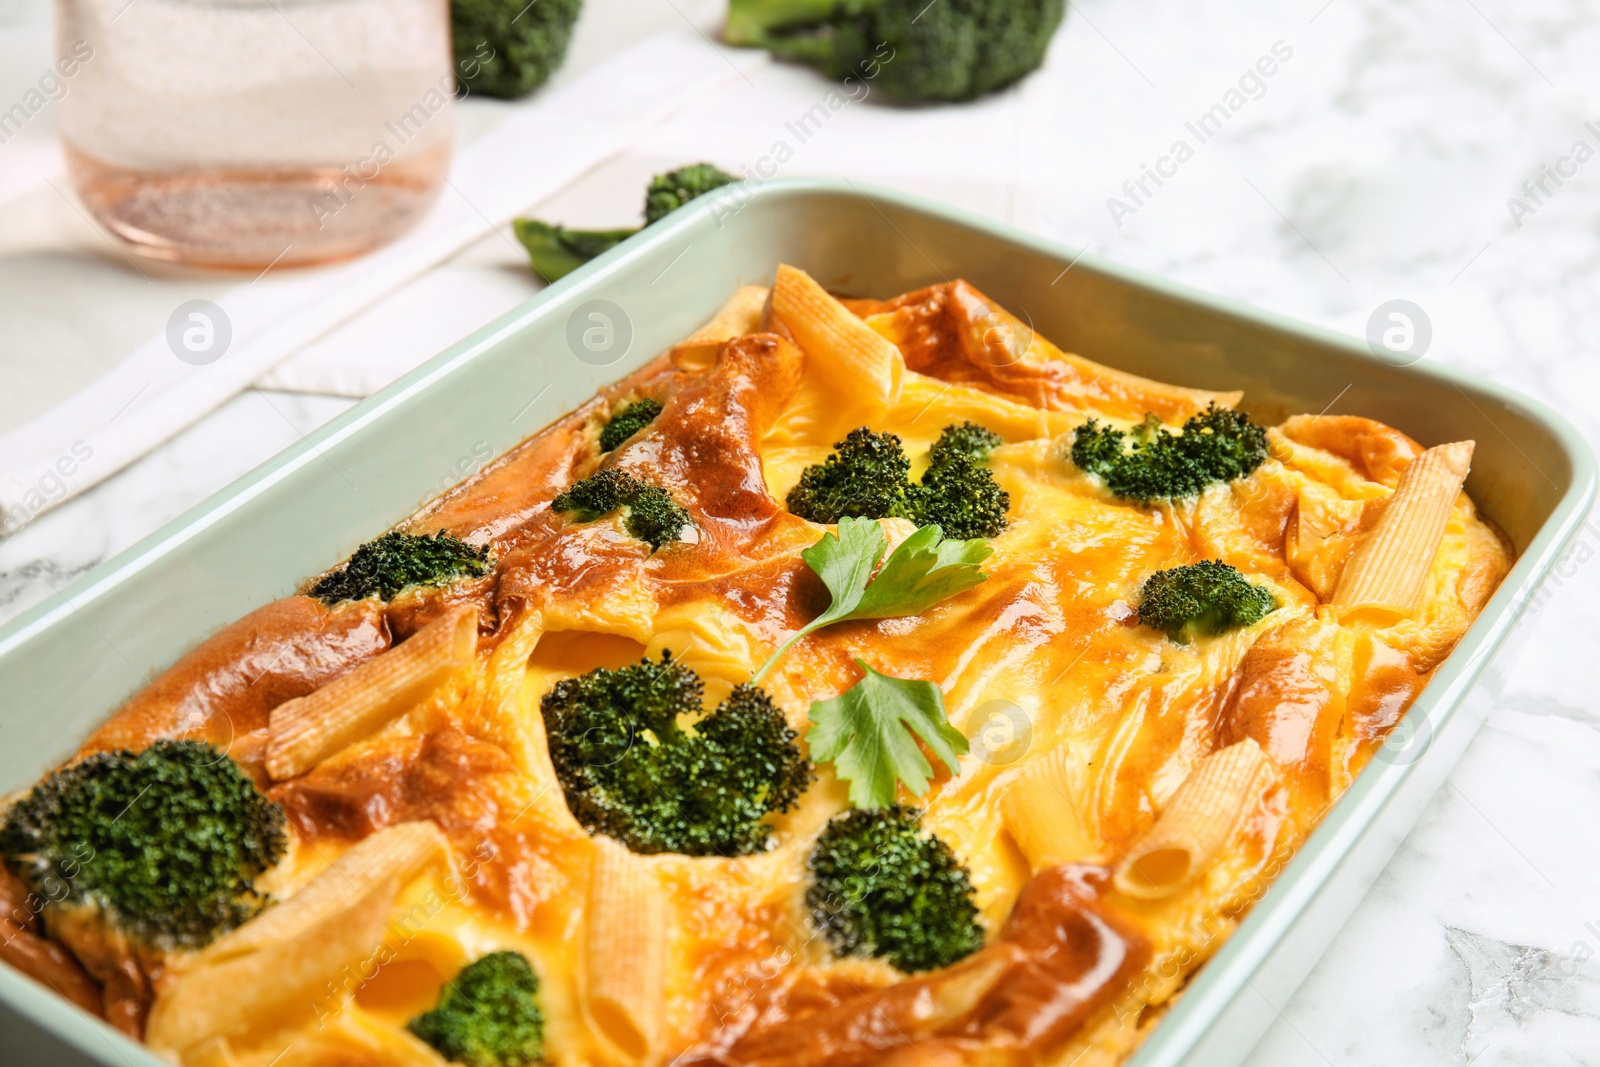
point(41, 959)
point(1286, 698)
point(1050, 632)
point(1377, 452)
point(226, 688)
point(1060, 957)
point(466, 786)
point(520, 483)
point(705, 444)
point(955, 333)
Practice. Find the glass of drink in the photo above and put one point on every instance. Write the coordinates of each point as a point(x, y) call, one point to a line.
point(247, 133)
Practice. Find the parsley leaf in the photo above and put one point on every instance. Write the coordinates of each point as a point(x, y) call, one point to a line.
point(866, 732)
point(844, 563)
point(925, 569)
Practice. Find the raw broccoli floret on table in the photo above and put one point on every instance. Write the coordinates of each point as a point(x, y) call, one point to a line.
point(950, 50)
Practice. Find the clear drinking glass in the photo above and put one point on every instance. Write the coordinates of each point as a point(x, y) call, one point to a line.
point(242, 133)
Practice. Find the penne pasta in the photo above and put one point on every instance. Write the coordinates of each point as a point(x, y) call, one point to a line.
point(1199, 819)
point(307, 730)
point(282, 975)
point(381, 1043)
point(1384, 577)
point(1043, 810)
point(710, 640)
point(1136, 392)
point(395, 852)
point(861, 364)
point(739, 316)
point(960, 993)
point(288, 954)
point(624, 951)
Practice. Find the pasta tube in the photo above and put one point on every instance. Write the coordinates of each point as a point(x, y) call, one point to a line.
point(1042, 814)
point(859, 361)
point(624, 950)
point(307, 730)
point(1385, 575)
point(289, 953)
point(395, 852)
point(1199, 819)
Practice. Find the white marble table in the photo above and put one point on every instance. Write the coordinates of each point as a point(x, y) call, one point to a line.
point(1376, 162)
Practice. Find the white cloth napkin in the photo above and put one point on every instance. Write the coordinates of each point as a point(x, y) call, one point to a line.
point(150, 394)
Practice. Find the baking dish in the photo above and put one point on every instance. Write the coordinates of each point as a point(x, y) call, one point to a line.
point(65, 665)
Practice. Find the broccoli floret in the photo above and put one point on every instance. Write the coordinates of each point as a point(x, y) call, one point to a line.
point(1225, 443)
point(914, 50)
point(882, 887)
point(865, 477)
point(635, 765)
point(167, 842)
point(555, 251)
point(961, 498)
point(1151, 463)
point(958, 492)
point(651, 514)
point(966, 440)
point(670, 191)
point(487, 1015)
point(628, 421)
point(508, 48)
point(397, 561)
point(1201, 599)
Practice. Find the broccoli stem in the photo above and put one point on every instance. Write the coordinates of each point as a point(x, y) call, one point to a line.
point(555, 251)
point(749, 21)
point(811, 627)
point(815, 48)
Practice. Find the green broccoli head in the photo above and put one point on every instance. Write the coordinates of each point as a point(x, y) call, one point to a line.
point(958, 492)
point(1201, 599)
point(628, 421)
point(398, 561)
point(865, 477)
point(488, 1015)
point(670, 191)
point(880, 886)
point(916, 51)
point(961, 498)
point(651, 514)
point(508, 48)
point(1151, 463)
point(1225, 442)
point(965, 440)
point(167, 842)
point(635, 764)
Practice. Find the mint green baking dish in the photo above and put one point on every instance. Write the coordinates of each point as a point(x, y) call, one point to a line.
point(66, 664)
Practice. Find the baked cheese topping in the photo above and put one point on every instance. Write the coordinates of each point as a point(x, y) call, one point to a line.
point(1124, 799)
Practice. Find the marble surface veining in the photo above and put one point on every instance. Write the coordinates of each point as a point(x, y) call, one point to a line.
point(1442, 151)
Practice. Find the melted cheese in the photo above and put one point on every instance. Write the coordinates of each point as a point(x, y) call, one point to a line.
point(1047, 639)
